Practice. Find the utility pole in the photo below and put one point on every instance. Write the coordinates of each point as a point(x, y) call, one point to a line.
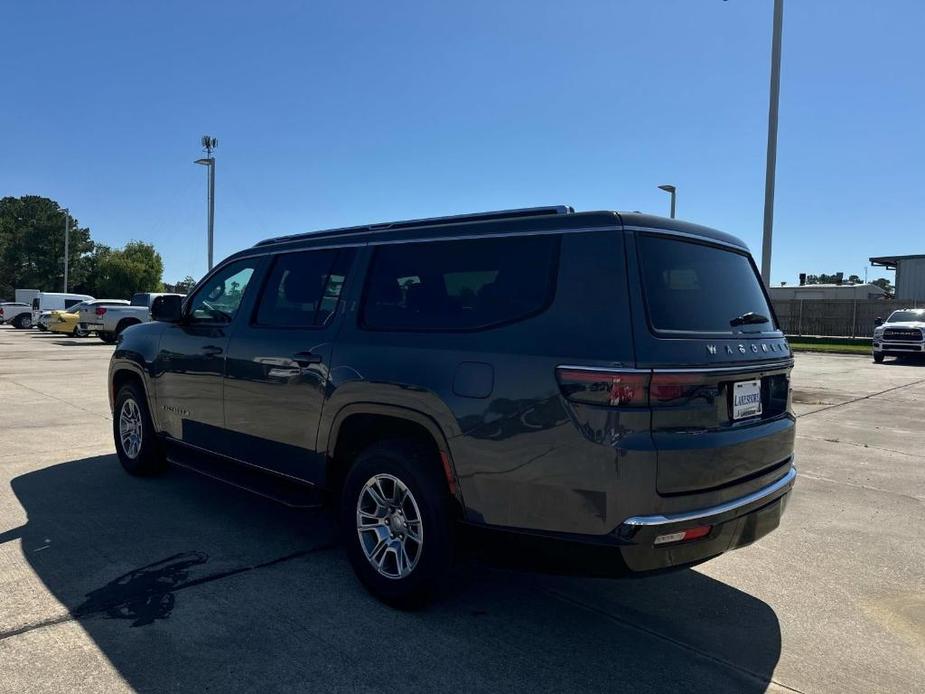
point(209, 144)
point(67, 234)
point(772, 144)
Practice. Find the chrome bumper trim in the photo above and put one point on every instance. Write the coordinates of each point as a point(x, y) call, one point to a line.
point(649, 521)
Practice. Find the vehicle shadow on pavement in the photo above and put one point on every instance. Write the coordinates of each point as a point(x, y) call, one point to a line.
point(185, 583)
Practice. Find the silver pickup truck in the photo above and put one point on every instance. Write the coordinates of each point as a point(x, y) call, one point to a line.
point(108, 321)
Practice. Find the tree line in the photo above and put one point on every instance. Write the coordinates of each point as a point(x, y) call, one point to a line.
point(837, 278)
point(32, 254)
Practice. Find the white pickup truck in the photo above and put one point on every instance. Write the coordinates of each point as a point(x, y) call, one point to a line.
point(903, 335)
point(108, 321)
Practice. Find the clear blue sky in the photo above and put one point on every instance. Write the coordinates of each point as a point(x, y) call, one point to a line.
point(335, 113)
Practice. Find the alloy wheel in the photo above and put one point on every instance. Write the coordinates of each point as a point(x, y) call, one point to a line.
point(389, 526)
point(130, 428)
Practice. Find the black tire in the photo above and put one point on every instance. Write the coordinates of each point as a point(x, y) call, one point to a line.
point(878, 357)
point(413, 464)
point(23, 322)
point(108, 338)
point(77, 332)
point(149, 457)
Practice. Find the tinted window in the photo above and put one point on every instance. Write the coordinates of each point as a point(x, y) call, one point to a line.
point(900, 316)
point(459, 285)
point(692, 287)
point(71, 302)
point(218, 299)
point(140, 300)
point(303, 288)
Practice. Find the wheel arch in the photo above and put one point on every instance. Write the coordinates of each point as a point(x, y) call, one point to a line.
point(358, 425)
point(123, 373)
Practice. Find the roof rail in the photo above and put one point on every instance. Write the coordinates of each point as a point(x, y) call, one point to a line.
point(426, 222)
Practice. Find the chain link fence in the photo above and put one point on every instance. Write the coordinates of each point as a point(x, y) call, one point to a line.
point(834, 317)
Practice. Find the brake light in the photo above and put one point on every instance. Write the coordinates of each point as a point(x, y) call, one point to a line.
point(600, 387)
point(100, 310)
point(1, 311)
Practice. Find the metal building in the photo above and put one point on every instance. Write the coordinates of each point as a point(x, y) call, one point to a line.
point(910, 275)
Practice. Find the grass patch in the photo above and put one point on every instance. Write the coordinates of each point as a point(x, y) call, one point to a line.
point(829, 347)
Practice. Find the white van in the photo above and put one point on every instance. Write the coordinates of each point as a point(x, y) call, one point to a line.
point(54, 301)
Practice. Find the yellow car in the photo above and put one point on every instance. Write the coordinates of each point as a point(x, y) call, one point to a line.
point(66, 321)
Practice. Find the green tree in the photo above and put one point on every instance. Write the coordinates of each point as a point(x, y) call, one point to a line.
point(135, 268)
point(32, 245)
point(884, 284)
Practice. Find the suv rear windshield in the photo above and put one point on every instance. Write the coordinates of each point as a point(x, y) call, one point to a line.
point(696, 288)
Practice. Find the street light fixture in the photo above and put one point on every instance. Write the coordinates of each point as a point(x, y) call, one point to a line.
point(209, 144)
point(673, 191)
point(772, 143)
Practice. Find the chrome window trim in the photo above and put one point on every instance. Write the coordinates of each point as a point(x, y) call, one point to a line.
point(764, 366)
point(684, 234)
point(657, 520)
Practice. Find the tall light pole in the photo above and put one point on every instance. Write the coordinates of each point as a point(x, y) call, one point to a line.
point(673, 191)
point(67, 248)
point(772, 144)
point(209, 144)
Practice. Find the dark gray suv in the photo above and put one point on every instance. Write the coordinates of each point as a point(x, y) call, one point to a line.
point(596, 379)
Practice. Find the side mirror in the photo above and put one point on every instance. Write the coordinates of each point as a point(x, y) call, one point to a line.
point(167, 309)
point(878, 322)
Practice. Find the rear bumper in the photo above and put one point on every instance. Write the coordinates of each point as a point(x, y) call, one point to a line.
point(631, 547)
point(91, 327)
point(735, 523)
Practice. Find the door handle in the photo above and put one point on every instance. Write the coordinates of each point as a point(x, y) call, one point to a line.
point(212, 350)
point(306, 358)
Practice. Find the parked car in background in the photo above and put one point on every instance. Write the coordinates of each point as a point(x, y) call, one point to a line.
point(13, 313)
point(68, 321)
point(42, 322)
point(109, 321)
point(55, 301)
point(602, 383)
point(902, 335)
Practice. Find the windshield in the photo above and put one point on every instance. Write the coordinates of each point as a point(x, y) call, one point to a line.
point(695, 288)
point(902, 316)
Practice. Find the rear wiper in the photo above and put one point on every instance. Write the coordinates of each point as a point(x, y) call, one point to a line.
point(750, 318)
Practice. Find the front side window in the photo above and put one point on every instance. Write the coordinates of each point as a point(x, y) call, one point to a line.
point(219, 298)
point(697, 288)
point(303, 288)
point(459, 285)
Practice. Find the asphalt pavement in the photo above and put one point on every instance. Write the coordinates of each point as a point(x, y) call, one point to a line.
point(180, 583)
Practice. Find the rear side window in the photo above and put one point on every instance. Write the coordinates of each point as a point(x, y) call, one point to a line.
point(695, 288)
point(303, 288)
point(459, 285)
point(140, 300)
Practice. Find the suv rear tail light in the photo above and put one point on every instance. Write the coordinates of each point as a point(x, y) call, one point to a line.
point(599, 387)
point(100, 311)
point(616, 388)
point(666, 387)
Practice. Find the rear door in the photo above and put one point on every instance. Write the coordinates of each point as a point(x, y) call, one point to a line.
point(279, 360)
point(719, 393)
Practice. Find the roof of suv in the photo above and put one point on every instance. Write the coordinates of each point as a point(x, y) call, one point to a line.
point(550, 218)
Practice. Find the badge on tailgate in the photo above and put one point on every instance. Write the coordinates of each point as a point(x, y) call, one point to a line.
point(746, 399)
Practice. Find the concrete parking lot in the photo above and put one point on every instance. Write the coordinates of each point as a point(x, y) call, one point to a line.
point(110, 583)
